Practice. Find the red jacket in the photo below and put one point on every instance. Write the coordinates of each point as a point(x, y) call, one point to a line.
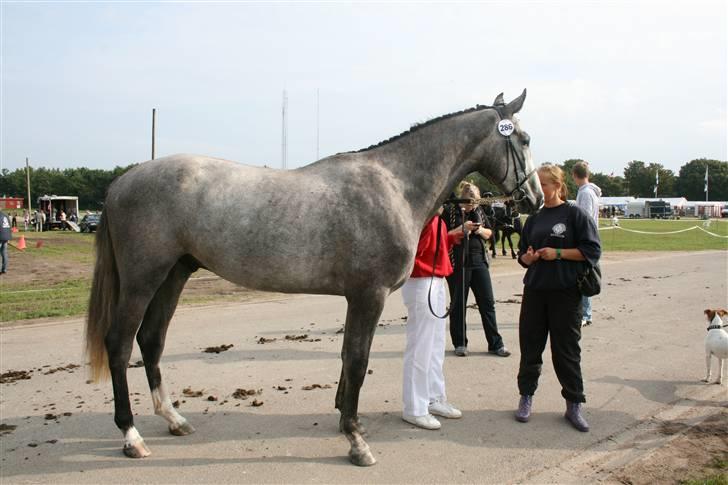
point(426, 250)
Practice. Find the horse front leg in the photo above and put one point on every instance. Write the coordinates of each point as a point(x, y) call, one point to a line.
point(510, 243)
point(362, 316)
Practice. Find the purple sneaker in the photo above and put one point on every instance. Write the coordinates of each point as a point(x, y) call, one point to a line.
point(574, 416)
point(523, 413)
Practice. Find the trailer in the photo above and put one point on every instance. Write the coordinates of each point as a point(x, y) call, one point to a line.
point(52, 205)
point(635, 209)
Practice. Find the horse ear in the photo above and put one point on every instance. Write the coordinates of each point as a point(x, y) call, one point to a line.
point(515, 106)
point(499, 100)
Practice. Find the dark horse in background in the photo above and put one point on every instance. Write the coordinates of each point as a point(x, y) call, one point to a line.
point(345, 225)
point(505, 220)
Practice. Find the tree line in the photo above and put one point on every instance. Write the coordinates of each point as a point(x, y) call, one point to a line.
point(89, 185)
point(638, 180)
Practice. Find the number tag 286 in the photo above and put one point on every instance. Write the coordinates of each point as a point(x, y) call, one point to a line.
point(505, 127)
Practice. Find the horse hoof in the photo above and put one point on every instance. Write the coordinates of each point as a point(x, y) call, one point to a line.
point(137, 450)
point(362, 459)
point(182, 430)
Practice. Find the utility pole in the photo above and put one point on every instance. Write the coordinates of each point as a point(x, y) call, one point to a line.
point(284, 132)
point(27, 182)
point(317, 124)
point(154, 129)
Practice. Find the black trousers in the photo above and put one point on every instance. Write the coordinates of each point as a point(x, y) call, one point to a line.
point(554, 313)
point(478, 279)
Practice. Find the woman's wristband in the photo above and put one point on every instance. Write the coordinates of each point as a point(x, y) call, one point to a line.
point(558, 254)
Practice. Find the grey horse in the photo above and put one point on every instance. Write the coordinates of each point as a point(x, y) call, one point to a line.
point(345, 225)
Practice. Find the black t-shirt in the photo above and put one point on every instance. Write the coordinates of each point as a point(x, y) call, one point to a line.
point(565, 226)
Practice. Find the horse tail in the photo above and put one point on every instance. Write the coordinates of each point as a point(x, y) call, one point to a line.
point(102, 303)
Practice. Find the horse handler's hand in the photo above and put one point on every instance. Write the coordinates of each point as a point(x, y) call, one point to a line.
point(470, 226)
point(547, 254)
point(530, 256)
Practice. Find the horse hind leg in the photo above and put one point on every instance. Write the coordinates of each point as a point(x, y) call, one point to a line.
point(119, 341)
point(151, 338)
point(362, 315)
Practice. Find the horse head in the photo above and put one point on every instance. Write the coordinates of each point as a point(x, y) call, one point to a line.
point(504, 157)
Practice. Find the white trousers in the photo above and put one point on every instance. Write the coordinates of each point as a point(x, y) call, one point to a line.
point(424, 355)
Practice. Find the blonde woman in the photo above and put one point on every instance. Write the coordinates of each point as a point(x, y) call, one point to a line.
point(553, 244)
point(477, 276)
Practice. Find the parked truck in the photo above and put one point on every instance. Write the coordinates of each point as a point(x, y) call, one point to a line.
point(658, 209)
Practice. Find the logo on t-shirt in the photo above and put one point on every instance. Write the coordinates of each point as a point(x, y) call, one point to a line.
point(558, 230)
point(6, 223)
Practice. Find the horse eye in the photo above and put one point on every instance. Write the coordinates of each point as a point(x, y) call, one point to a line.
point(525, 139)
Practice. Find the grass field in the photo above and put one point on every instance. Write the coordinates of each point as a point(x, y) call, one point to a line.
point(53, 280)
point(658, 240)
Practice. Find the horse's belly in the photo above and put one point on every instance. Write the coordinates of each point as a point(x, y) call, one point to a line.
point(276, 276)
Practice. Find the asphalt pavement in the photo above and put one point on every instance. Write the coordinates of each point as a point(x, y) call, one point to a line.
point(642, 360)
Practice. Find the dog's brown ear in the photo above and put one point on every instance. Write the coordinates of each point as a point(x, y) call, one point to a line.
point(707, 311)
point(722, 312)
point(710, 314)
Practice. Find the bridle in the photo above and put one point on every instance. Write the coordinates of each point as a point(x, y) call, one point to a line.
point(517, 194)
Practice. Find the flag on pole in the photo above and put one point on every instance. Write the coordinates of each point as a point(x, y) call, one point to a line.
point(706, 180)
point(657, 181)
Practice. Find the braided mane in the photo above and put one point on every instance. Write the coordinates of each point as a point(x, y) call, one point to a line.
point(418, 126)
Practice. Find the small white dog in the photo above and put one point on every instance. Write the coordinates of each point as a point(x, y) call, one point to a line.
point(716, 343)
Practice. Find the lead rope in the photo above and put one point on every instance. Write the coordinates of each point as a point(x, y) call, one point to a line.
point(440, 222)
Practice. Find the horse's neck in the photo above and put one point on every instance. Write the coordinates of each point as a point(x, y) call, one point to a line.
point(430, 162)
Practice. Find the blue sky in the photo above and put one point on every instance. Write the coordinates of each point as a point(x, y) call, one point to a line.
point(607, 81)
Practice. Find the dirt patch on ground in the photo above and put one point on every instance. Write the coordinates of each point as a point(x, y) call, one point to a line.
point(698, 452)
point(49, 258)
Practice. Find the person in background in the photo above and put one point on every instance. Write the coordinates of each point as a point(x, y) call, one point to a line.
point(553, 244)
point(26, 219)
point(43, 218)
point(6, 234)
point(15, 219)
point(62, 218)
point(477, 276)
point(588, 199)
point(423, 387)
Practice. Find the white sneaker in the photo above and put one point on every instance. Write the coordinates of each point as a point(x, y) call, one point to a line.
point(428, 421)
point(445, 409)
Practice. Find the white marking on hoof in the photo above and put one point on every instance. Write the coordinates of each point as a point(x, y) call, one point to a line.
point(362, 457)
point(134, 446)
point(359, 454)
point(182, 430)
point(178, 425)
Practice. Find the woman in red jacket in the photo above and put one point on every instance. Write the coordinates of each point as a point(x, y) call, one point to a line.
point(424, 292)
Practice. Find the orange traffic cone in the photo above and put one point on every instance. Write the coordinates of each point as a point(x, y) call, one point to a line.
point(21, 243)
point(14, 230)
